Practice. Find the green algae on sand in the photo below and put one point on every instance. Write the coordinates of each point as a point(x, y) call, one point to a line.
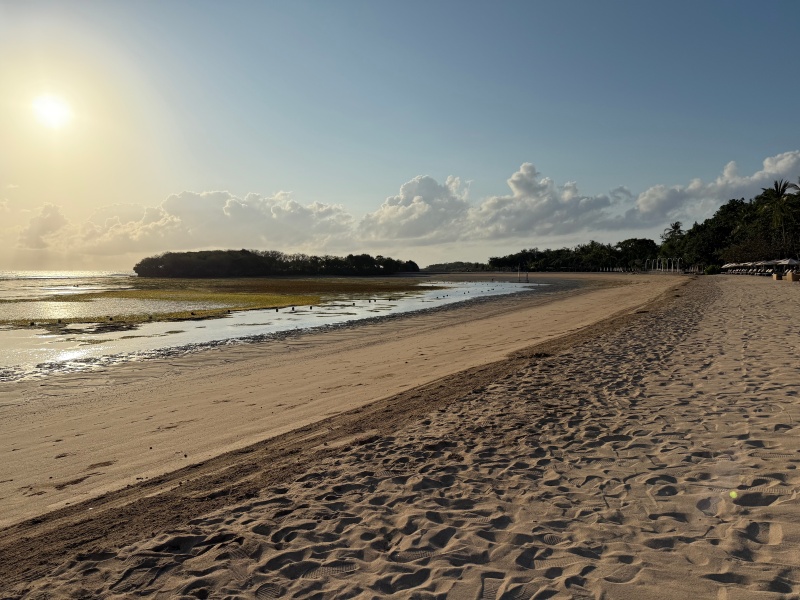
point(140, 300)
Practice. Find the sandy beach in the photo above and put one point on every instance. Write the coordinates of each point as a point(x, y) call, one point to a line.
point(626, 441)
point(73, 437)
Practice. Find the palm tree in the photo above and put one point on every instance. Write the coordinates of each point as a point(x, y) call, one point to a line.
point(794, 202)
point(778, 191)
point(674, 231)
point(778, 203)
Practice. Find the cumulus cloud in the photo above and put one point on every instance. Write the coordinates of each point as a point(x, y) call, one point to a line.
point(117, 213)
point(191, 220)
point(427, 212)
point(423, 210)
point(537, 205)
point(661, 202)
point(42, 227)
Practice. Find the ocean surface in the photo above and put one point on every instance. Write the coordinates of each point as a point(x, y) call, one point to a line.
point(34, 352)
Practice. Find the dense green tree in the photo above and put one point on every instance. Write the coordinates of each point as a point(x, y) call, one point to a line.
point(255, 263)
point(745, 230)
point(768, 226)
point(672, 241)
point(458, 266)
point(593, 256)
point(777, 202)
point(634, 252)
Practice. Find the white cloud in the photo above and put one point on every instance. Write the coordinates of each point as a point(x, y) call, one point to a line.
point(661, 202)
point(42, 227)
point(122, 213)
point(424, 210)
point(537, 205)
point(192, 220)
point(535, 211)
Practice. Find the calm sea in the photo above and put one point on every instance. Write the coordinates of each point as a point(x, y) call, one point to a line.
point(25, 285)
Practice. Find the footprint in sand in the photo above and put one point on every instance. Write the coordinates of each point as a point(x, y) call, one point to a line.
point(559, 563)
point(696, 555)
point(331, 570)
point(756, 498)
point(238, 563)
point(269, 591)
point(521, 592)
point(410, 555)
point(768, 455)
point(491, 586)
point(767, 533)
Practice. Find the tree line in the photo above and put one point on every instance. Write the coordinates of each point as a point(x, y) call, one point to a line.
point(262, 263)
point(457, 267)
point(627, 255)
point(762, 228)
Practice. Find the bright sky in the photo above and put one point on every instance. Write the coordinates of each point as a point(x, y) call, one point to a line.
point(431, 131)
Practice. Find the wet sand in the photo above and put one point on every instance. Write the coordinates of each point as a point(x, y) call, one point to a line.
point(72, 437)
point(651, 453)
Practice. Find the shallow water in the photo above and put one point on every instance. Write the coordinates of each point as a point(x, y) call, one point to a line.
point(35, 352)
point(97, 308)
point(45, 285)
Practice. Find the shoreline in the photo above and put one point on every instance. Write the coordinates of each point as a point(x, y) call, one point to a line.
point(652, 456)
point(81, 365)
point(43, 417)
point(440, 381)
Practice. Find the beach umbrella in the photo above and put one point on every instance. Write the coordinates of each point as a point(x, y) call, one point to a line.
point(787, 262)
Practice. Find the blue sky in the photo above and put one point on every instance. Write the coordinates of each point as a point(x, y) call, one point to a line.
point(344, 120)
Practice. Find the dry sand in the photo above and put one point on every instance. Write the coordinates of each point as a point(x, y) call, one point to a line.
point(652, 454)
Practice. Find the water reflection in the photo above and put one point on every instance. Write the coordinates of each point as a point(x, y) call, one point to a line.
point(25, 285)
point(34, 352)
point(98, 308)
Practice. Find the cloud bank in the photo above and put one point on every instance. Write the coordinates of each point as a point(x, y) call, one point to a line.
point(216, 220)
point(42, 228)
point(423, 213)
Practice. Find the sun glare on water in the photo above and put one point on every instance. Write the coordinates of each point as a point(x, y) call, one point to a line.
point(52, 111)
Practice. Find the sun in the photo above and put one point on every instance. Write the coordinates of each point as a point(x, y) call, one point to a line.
point(52, 111)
